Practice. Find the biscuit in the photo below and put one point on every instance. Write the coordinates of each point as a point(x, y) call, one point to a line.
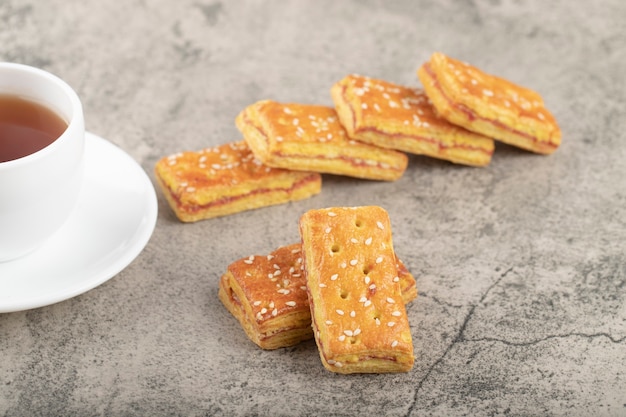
point(402, 118)
point(358, 315)
point(227, 179)
point(311, 138)
point(489, 105)
point(267, 295)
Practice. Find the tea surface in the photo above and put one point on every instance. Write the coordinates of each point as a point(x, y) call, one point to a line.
point(26, 127)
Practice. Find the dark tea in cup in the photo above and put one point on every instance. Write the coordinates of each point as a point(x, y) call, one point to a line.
point(26, 127)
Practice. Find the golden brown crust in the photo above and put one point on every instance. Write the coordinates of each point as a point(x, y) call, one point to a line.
point(489, 105)
point(402, 118)
point(310, 137)
point(227, 179)
point(358, 314)
point(267, 295)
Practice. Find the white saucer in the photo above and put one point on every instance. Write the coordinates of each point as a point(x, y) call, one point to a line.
point(112, 223)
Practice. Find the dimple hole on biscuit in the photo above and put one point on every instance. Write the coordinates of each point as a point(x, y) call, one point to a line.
point(376, 316)
point(344, 294)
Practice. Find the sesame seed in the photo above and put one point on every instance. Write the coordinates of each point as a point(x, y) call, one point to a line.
point(368, 241)
point(367, 279)
point(379, 259)
point(377, 107)
point(377, 321)
point(353, 313)
point(303, 288)
point(334, 277)
point(256, 303)
point(364, 106)
point(340, 312)
point(362, 299)
point(263, 310)
point(390, 300)
point(277, 273)
point(331, 362)
point(329, 322)
point(271, 304)
point(291, 303)
point(394, 343)
point(380, 225)
point(259, 316)
point(372, 287)
point(488, 93)
point(353, 240)
point(541, 116)
point(367, 303)
point(327, 230)
point(279, 138)
point(283, 291)
point(276, 266)
point(342, 337)
point(248, 261)
point(332, 213)
point(348, 333)
point(353, 262)
point(322, 285)
point(343, 265)
point(338, 364)
point(396, 279)
point(356, 332)
point(287, 110)
point(396, 314)
point(391, 323)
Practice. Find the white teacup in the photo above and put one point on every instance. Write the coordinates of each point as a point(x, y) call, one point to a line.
point(38, 192)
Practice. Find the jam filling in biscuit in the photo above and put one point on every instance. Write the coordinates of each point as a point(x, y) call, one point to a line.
point(194, 208)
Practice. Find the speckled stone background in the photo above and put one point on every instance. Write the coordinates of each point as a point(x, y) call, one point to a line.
point(521, 266)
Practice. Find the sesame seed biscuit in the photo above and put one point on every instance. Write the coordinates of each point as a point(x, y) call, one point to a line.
point(358, 315)
point(489, 105)
point(267, 295)
point(310, 137)
point(227, 179)
point(402, 118)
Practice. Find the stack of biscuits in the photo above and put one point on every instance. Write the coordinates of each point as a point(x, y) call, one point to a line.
point(343, 284)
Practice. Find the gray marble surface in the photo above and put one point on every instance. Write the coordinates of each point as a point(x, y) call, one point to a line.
point(521, 265)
